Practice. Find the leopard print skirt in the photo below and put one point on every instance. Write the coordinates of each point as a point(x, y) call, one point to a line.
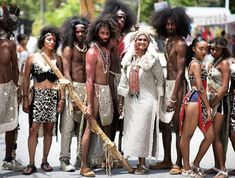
point(43, 108)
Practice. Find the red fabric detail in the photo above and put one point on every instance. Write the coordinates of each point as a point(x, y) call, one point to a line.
point(121, 48)
point(134, 80)
point(203, 126)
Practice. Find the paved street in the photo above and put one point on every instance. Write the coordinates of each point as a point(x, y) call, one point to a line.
point(22, 156)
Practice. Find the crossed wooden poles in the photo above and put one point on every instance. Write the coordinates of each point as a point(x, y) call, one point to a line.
point(93, 124)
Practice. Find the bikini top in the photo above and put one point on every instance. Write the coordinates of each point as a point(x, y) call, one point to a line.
point(203, 73)
point(41, 71)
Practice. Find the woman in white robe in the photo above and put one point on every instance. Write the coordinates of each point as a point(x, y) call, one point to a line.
point(141, 90)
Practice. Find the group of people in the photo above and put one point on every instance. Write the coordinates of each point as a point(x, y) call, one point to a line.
point(116, 73)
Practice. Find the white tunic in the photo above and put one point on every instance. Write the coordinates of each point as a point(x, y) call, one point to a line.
point(140, 121)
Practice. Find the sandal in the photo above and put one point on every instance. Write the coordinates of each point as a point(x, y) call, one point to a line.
point(232, 173)
point(175, 170)
point(160, 165)
point(87, 172)
point(141, 169)
point(213, 170)
point(30, 169)
point(222, 174)
point(188, 173)
point(198, 171)
point(46, 166)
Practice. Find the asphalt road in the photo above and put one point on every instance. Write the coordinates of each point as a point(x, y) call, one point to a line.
point(22, 156)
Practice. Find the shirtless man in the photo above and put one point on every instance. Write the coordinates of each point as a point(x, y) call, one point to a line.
point(97, 82)
point(8, 86)
point(173, 25)
point(74, 50)
point(124, 19)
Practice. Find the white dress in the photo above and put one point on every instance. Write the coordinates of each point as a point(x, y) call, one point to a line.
point(141, 115)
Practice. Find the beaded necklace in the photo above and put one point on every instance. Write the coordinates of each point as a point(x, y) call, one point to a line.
point(83, 50)
point(169, 45)
point(105, 58)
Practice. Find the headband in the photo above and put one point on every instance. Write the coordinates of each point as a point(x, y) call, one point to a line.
point(217, 45)
point(80, 25)
point(49, 34)
point(120, 12)
point(139, 33)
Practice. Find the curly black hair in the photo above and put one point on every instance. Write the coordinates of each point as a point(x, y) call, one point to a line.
point(102, 21)
point(9, 18)
point(221, 42)
point(112, 7)
point(20, 37)
point(68, 30)
point(44, 31)
point(178, 15)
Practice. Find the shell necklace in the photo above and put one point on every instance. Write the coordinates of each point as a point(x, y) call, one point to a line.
point(83, 50)
point(105, 58)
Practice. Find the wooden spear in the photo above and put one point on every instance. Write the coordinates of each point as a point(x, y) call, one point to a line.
point(94, 126)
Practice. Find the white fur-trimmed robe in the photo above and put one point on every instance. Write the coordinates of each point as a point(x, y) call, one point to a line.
point(142, 115)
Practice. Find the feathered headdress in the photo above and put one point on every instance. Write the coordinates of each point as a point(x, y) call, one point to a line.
point(9, 17)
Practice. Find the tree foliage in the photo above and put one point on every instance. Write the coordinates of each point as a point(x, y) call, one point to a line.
point(56, 11)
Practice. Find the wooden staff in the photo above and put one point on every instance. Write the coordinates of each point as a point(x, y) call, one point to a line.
point(94, 126)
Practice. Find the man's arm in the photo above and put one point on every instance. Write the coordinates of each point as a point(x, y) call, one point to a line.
point(181, 50)
point(91, 59)
point(26, 84)
point(15, 69)
point(67, 55)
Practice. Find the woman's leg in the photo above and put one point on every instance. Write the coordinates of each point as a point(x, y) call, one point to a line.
point(189, 126)
point(47, 129)
point(217, 144)
point(32, 142)
point(205, 144)
point(232, 139)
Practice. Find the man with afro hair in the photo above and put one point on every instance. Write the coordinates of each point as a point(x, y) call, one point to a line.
point(173, 24)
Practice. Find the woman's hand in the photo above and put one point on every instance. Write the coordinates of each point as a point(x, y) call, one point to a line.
point(60, 106)
point(209, 114)
point(26, 104)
